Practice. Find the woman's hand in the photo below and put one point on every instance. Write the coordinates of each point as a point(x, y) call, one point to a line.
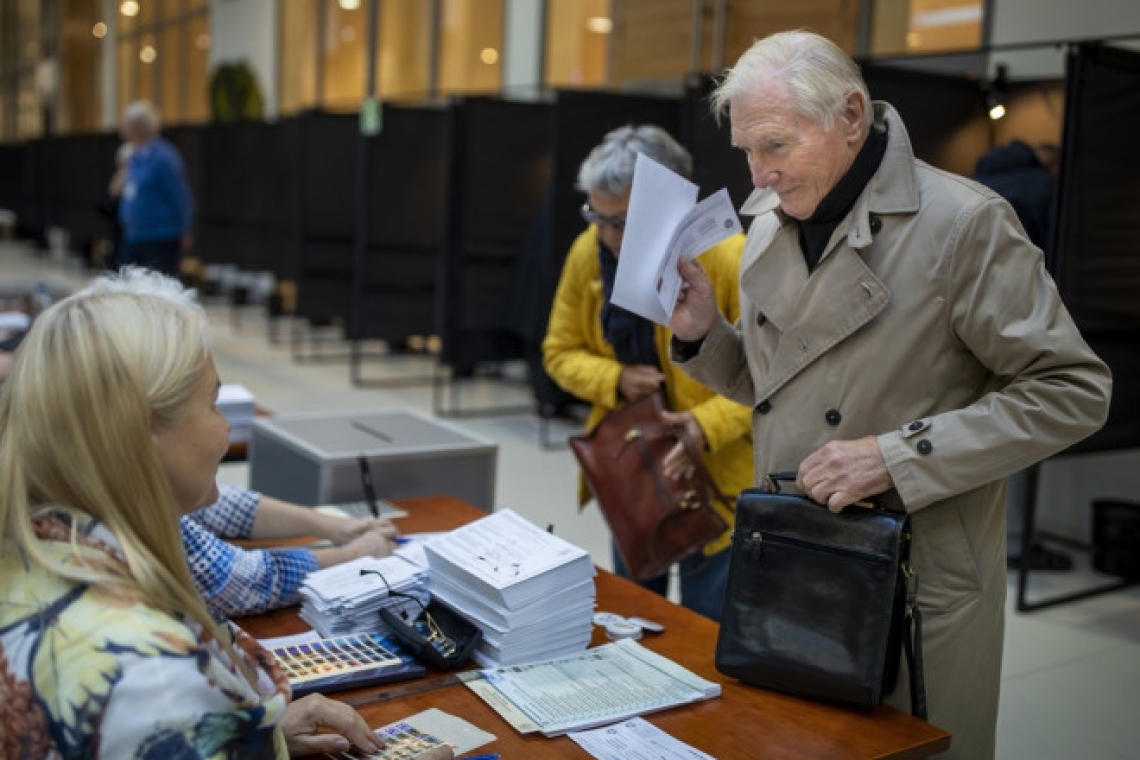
point(341, 530)
point(639, 380)
point(677, 465)
point(317, 724)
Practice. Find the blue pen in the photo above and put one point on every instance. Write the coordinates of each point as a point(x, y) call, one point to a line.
point(483, 757)
point(400, 541)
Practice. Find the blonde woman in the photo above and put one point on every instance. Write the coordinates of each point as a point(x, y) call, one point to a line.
point(109, 432)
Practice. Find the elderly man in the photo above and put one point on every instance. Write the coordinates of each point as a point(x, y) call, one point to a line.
point(898, 338)
point(155, 209)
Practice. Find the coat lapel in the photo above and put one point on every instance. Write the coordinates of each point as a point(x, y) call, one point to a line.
point(813, 314)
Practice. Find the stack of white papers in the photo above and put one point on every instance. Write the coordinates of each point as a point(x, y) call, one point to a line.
point(348, 598)
point(530, 592)
point(236, 404)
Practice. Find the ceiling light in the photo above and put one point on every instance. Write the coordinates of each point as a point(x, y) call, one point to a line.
point(99, 31)
point(489, 56)
point(600, 24)
point(997, 110)
point(961, 14)
point(202, 41)
point(349, 5)
point(129, 8)
point(147, 54)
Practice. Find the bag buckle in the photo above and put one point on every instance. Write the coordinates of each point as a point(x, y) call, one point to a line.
point(911, 585)
point(690, 500)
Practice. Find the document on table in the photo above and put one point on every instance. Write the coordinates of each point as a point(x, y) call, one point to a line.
point(635, 739)
point(664, 223)
point(593, 688)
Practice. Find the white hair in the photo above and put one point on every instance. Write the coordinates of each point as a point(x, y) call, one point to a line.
point(144, 114)
point(608, 170)
point(145, 282)
point(819, 75)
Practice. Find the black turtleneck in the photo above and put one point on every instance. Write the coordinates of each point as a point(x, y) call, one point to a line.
point(816, 231)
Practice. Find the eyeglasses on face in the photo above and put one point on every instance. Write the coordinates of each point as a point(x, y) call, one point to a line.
point(593, 217)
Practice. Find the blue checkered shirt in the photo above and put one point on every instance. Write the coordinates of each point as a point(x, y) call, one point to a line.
point(236, 581)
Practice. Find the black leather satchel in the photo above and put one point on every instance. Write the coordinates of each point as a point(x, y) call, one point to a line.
point(818, 604)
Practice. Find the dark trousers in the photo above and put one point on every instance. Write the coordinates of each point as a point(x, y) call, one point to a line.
point(703, 580)
point(159, 255)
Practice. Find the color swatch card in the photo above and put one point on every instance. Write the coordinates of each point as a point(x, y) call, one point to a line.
point(312, 663)
point(421, 736)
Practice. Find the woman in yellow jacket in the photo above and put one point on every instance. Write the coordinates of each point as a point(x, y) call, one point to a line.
point(608, 356)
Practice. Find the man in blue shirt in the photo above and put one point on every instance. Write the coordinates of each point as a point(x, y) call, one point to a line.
point(156, 210)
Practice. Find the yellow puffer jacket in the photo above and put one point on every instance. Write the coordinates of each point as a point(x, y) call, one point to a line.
point(578, 358)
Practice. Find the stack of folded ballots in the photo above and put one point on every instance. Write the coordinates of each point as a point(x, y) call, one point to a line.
point(236, 404)
point(530, 592)
point(342, 599)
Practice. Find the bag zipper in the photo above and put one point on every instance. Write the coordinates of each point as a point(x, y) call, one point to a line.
point(756, 539)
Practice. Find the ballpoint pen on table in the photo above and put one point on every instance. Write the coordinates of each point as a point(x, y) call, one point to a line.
point(369, 490)
point(482, 757)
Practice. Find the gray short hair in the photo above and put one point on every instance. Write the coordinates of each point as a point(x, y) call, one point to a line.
point(819, 74)
point(143, 113)
point(608, 170)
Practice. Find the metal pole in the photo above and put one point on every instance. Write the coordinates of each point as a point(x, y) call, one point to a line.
point(363, 186)
point(696, 38)
point(720, 17)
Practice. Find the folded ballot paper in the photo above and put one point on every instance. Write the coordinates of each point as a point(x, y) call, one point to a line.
point(529, 591)
point(664, 223)
point(347, 598)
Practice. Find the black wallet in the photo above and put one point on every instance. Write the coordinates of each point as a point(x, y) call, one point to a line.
point(437, 635)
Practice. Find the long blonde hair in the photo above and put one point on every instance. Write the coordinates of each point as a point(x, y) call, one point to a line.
point(93, 376)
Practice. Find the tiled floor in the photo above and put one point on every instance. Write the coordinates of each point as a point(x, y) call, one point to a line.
point(1071, 680)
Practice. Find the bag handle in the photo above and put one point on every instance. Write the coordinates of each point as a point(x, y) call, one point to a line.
point(701, 473)
point(771, 484)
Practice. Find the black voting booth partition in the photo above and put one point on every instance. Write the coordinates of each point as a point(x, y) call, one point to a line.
point(246, 198)
point(511, 215)
point(387, 294)
point(61, 182)
point(403, 223)
point(498, 168)
point(1096, 254)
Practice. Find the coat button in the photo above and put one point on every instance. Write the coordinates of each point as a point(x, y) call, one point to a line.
point(760, 319)
point(833, 417)
point(764, 407)
point(925, 447)
point(915, 426)
point(876, 225)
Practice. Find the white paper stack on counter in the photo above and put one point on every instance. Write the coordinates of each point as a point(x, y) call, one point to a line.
point(531, 592)
point(342, 599)
point(236, 404)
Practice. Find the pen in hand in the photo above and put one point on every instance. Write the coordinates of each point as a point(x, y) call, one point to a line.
point(366, 482)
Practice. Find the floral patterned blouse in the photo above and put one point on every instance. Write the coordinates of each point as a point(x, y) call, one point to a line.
point(90, 673)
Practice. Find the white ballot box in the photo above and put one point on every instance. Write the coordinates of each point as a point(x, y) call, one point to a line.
point(315, 458)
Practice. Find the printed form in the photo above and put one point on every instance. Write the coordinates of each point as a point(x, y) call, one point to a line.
point(663, 224)
point(594, 688)
point(635, 739)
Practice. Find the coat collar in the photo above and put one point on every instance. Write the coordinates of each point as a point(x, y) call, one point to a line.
point(892, 190)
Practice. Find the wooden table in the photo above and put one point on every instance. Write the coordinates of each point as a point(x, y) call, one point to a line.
point(745, 722)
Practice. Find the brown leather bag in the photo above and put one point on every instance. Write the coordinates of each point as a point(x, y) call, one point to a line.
point(655, 521)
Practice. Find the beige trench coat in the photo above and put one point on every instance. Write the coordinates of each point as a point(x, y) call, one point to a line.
point(932, 324)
